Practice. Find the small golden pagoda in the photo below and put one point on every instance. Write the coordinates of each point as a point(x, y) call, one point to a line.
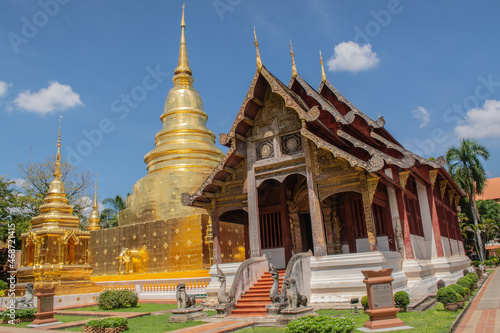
point(54, 251)
point(184, 154)
point(95, 220)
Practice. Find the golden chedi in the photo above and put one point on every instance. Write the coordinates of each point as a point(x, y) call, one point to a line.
point(95, 219)
point(55, 250)
point(184, 153)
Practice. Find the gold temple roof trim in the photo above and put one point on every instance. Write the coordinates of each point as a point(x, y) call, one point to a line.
point(256, 43)
point(291, 100)
point(323, 75)
point(294, 68)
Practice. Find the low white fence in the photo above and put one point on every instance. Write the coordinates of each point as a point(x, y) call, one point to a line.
point(158, 289)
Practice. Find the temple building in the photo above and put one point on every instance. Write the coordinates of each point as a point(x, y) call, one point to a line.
point(307, 170)
point(55, 249)
point(157, 232)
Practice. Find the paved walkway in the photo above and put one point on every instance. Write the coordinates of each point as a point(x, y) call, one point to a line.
point(484, 314)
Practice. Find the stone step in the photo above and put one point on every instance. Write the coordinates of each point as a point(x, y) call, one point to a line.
point(247, 298)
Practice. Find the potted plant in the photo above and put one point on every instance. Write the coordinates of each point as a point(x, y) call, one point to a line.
point(401, 300)
point(106, 325)
point(364, 302)
point(448, 297)
point(466, 282)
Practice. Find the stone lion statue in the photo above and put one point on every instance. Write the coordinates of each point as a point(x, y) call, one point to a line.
point(183, 299)
point(26, 301)
point(293, 297)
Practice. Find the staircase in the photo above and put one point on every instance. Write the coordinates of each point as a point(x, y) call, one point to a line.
point(253, 303)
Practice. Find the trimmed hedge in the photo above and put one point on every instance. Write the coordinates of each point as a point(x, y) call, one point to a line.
point(364, 302)
point(401, 299)
point(320, 324)
point(117, 299)
point(473, 276)
point(466, 282)
point(446, 295)
point(458, 289)
point(20, 314)
point(110, 322)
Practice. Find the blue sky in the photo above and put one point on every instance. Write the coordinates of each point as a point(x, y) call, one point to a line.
point(430, 68)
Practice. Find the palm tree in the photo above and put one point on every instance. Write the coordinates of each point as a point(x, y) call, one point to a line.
point(468, 172)
point(109, 216)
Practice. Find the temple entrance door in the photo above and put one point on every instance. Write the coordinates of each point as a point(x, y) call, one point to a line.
point(307, 237)
point(275, 239)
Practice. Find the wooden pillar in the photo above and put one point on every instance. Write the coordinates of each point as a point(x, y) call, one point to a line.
point(285, 226)
point(368, 187)
point(436, 230)
point(326, 209)
point(318, 232)
point(253, 212)
point(404, 224)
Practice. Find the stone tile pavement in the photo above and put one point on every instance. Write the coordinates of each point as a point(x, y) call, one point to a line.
point(484, 314)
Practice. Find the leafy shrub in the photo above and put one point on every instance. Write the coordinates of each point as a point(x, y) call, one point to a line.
point(20, 314)
point(458, 289)
point(473, 276)
point(488, 262)
point(320, 324)
point(446, 295)
point(364, 302)
point(3, 285)
point(401, 299)
point(107, 322)
point(495, 260)
point(467, 291)
point(475, 263)
point(466, 282)
point(108, 299)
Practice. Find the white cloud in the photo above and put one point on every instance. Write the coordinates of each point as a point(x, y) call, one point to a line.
point(19, 183)
point(4, 86)
point(481, 122)
point(56, 97)
point(423, 115)
point(349, 56)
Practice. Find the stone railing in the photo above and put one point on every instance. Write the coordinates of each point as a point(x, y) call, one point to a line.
point(247, 274)
point(299, 268)
point(164, 288)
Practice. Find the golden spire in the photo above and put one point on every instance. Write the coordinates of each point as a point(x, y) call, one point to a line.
point(94, 219)
point(294, 69)
point(55, 212)
point(323, 75)
point(57, 170)
point(183, 71)
point(256, 43)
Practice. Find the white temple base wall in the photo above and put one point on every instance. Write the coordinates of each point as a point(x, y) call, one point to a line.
point(335, 279)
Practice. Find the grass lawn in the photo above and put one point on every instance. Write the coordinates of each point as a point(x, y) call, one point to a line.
point(435, 320)
point(150, 324)
point(142, 307)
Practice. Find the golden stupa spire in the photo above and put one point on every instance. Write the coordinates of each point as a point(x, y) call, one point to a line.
point(95, 220)
point(294, 69)
point(55, 212)
point(323, 75)
point(183, 72)
point(256, 43)
point(57, 170)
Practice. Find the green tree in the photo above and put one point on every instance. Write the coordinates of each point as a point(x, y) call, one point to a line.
point(109, 216)
point(465, 166)
point(15, 209)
